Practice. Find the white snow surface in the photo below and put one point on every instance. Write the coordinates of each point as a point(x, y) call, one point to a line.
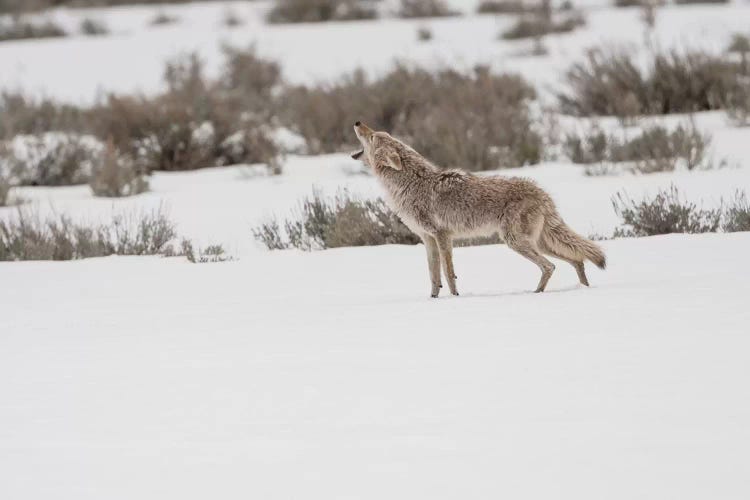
point(331, 375)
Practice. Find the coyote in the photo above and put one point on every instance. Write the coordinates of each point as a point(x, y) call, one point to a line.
point(439, 205)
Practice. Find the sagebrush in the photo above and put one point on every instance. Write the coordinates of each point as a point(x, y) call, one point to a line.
point(28, 236)
point(342, 221)
point(20, 29)
point(668, 212)
point(476, 121)
point(425, 8)
point(311, 11)
point(610, 82)
point(653, 149)
point(532, 26)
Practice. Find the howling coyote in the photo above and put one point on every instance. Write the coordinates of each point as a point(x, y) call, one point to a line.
point(440, 205)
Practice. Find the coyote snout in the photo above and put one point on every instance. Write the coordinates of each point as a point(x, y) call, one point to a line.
point(440, 205)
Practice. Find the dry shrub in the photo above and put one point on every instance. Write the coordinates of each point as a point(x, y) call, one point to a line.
point(343, 221)
point(503, 7)
point(248, 80)
point(424, 34)
point(93, 27)
point(21, 115)
point(312, 11)
point(738, 105)
point(27, 236)
point(640, 3)
point(478, 121)
point(5, 187)
point(654, 149)
point(611, 83)
point(232, 19)
point(737, 214)
point(163, 19)
point(20, 29)
point(740, 44)
point(536, 26)
point(666, 213)
point(116, 176)
point(20, 6)
point(425, 8)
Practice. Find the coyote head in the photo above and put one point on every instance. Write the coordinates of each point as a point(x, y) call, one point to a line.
point(379, 148)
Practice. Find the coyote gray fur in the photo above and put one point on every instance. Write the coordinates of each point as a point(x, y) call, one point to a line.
point(439, 205)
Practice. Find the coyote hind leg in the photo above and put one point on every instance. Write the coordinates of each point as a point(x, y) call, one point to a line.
point(528, 250)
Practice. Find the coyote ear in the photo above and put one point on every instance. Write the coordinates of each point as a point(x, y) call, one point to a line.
point(390, 158)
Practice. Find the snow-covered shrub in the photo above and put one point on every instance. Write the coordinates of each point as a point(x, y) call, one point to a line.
point(342, 221)
point(115, 176)
point(477, 121)
point(28, 236)
point(425, 8)
point(612, 83)
point(654, 149)
point(51, 159)
point(254, 144)
point(311, 11)
point(665, 213)
point(209, 254)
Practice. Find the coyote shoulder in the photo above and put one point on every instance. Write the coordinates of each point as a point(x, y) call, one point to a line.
point(440, 205)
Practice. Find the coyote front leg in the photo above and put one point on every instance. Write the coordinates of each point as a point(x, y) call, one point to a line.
point(433, 261)
point(445, 245)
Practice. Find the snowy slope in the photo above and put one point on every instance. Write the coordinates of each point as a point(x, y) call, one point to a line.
point(332, 376)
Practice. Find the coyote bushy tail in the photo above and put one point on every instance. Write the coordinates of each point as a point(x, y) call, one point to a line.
point(559, 238)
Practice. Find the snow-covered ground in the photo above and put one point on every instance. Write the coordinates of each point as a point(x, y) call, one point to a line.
point(331, 375)
point(81, 68)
